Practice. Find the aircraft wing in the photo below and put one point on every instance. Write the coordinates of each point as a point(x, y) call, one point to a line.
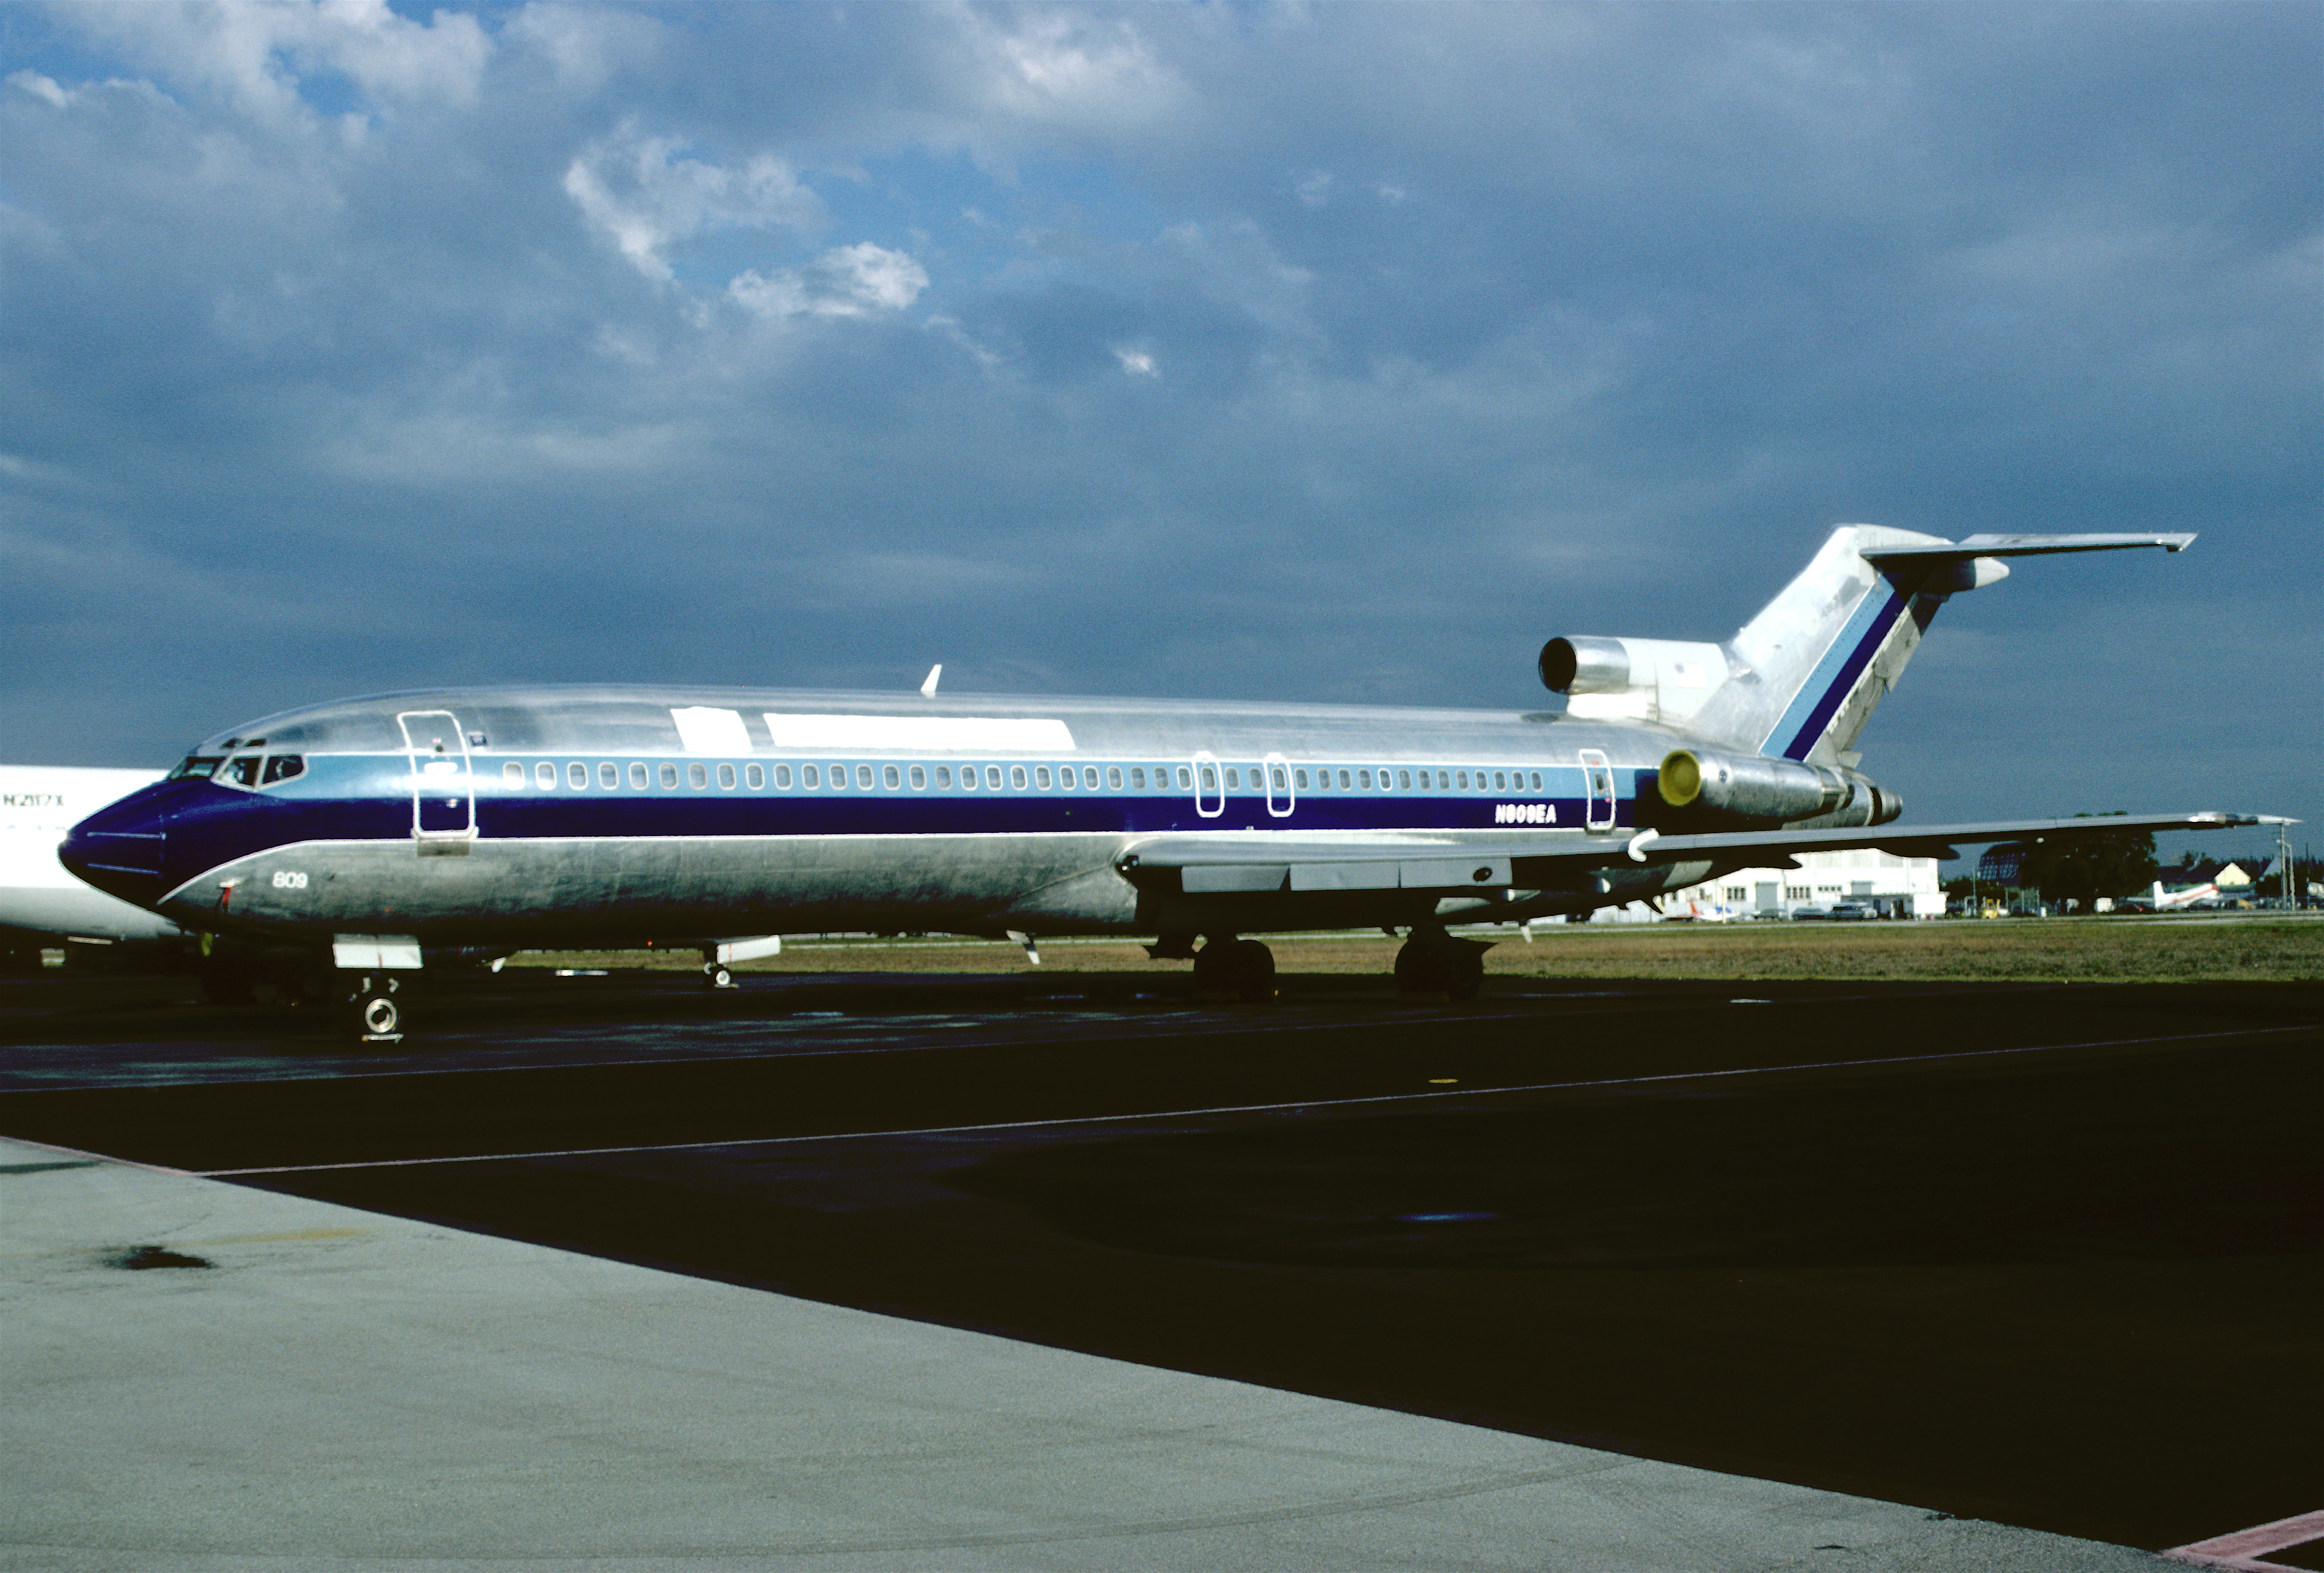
point(1242, 861)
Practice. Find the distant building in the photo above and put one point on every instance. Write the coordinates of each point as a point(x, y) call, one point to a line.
point(1892, 885)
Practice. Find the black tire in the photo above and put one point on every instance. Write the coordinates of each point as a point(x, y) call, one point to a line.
point(1212, 969)
point(718, 975)
point(375, 1012)
point(1466, 975)
point(1254, 972)
point(1422, 969)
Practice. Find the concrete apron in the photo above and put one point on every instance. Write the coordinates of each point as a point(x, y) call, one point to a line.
point(343, 1384)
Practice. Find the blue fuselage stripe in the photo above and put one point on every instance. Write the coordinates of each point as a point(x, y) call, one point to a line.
point(360, 797)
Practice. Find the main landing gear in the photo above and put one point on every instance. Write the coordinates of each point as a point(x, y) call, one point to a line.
point(1434, 963)
point(1240, 969)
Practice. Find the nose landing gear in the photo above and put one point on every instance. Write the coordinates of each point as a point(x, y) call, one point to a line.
point(374, 1010)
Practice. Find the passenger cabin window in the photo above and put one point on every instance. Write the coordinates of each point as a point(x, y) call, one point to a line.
point(1138, 776)
point(725, 777)
point(891, 777)
point(282, 767)
point(1500, 781)
point(1185, 779)
point(513, 773)
point(1041, 777)
point(1210, 779)
point(757, 776)
point(1017, 777)
point(1403, 780)
point(1537, 780)
point(696, 777)
point(783, 778)
point(1113, 777)
point(669, 776)
point(638, 777)
point(1460, 779)
point(863, 776)
point(545, 774)
point(968, 778)
point(919, 779)
point(576, 774)
point(1444, 781)
point(609, 774)
point(809, 776)
point(839, 778)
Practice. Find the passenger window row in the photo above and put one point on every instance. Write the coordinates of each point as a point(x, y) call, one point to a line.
point(608, 775)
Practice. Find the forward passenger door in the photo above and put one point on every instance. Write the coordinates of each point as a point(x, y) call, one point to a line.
point(443, 795)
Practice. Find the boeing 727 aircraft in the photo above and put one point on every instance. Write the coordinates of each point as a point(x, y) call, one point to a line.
point(370, 834)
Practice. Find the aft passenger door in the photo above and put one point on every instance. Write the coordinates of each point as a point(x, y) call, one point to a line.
point(1209, 785)
point(1597, 790)
point(1281, 797)
point(443, 795)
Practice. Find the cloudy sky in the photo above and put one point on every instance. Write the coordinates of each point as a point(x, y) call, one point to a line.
point(1334, 352)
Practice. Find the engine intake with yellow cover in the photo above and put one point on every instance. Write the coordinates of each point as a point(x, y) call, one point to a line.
point(1779, 791)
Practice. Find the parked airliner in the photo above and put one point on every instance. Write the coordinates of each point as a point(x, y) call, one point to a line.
point(367, 834)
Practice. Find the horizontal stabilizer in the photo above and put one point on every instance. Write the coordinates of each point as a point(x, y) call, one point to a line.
point(2020, 546)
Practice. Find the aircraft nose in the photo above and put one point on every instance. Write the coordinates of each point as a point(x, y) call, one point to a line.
point(119, 850)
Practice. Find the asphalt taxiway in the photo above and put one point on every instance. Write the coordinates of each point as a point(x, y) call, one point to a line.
point(2038, 1256)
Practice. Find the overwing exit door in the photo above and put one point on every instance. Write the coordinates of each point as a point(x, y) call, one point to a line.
point(443, 787)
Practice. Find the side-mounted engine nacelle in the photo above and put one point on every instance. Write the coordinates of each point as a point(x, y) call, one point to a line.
point(1778, 791)
point(1633, 679)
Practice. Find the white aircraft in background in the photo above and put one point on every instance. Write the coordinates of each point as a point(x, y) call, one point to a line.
point(2193, 896)
point(41, 903)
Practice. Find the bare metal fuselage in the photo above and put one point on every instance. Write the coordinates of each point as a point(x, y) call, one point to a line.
point(582, 817)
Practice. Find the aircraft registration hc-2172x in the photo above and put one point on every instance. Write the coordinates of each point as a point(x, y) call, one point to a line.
point(367, 834)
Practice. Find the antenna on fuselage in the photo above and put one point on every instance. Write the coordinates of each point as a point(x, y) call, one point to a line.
point(928, 688)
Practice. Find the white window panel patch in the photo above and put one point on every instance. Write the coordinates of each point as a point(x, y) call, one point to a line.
point(705, 729)
point(919, 734)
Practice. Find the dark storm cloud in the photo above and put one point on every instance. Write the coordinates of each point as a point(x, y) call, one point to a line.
point(1337, 352)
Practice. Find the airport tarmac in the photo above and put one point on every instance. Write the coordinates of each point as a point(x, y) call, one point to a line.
point(1075, 1271)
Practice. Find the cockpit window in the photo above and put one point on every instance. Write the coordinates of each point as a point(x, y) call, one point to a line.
point(201, 766)
point(242, 770)
point(282, 767)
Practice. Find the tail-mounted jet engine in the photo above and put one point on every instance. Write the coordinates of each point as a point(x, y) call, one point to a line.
point(1780, 791)
point(1633, 679)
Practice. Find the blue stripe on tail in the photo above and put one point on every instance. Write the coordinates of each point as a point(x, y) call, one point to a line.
point(1835, 676)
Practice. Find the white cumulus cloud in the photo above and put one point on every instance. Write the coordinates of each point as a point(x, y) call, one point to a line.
point(257, 53)
point(854, 281)
point(646, 194)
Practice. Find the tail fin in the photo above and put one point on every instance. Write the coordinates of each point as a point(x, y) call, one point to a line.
point(1806, 674)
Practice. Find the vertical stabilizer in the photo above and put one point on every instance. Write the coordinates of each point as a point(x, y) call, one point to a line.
point(1806, 674)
